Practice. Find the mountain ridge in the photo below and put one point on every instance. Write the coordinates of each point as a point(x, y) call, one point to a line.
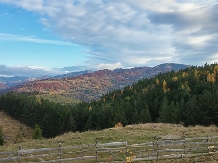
point(91, 86)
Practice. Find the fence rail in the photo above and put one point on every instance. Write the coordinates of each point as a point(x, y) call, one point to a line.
point(120, 152)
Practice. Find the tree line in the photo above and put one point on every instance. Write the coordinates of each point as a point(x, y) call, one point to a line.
point(188, 96)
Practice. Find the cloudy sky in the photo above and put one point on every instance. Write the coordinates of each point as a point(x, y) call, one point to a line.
point(39, 37)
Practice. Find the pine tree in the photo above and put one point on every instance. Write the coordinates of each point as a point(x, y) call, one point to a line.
point(144, 116)
point(1, 137)
point(165, 112)
point(193, 113)
point(70, 124)
point(37, 132)
point(89, 123)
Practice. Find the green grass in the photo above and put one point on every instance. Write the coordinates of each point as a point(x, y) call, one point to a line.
point(133, 134)
point(59, 98)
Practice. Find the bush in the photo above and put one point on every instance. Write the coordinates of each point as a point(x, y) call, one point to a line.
point(37, 132)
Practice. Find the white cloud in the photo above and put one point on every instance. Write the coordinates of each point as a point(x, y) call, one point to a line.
point(11, 37)
point(30, 5)
point(131, 32)
point(108, 66)
point(199, 40)
point(29, 71)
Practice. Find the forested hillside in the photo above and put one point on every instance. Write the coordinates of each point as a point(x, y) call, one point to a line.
point(188, 96)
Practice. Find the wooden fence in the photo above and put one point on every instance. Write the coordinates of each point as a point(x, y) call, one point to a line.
point(174, 149)
point(120, 152)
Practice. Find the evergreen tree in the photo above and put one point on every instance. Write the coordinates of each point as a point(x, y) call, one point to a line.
point(165, 112)
point(1, 137)
point(193, 113)
point(37, 132)
point(182, 111)
point(70, 124)
point(89, 123)
point(46, 126)
point(145, 116)
point(135, 116)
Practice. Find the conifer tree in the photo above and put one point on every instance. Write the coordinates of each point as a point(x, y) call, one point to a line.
point(165, 112)
point(144, 115)
point(1, 137)
point(71, 124)
point(89, 123)
point(37, 132)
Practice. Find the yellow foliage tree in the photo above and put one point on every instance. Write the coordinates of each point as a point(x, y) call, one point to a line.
point(182, 86)
point(184, 74)
point(196, 74)
point(175, 78)
point(215, 70)
point(164, 86)
point(90, 108)
point(211, 77)
point(186, 85)
point(157, 81)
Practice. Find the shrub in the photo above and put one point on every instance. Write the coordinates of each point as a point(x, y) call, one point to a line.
point(37, 132)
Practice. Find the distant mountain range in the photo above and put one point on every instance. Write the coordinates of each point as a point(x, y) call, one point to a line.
point(72, 74)
point(12, 81)
point(88, 85)
point(7, 82)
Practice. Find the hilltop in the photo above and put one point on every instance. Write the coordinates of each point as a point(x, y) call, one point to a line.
point(87, 86)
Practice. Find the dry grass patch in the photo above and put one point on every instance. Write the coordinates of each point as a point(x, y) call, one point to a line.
point(13, 130)
point(132, 133)
point(58, 98)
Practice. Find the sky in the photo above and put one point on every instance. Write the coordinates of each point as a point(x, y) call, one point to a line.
point(51, 37)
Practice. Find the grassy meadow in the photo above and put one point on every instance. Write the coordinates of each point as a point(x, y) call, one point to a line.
point(16, 134)
point(58, 98)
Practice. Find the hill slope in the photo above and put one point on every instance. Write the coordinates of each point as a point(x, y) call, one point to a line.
point(90, 86)
point(140, 133)
point(13, 130)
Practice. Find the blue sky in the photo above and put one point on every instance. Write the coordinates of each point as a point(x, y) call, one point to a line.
point(41, 37)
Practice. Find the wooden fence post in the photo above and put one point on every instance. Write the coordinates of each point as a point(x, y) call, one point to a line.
point(126, 150)
point(184, 145)
point(154, 147)
point(157, 148)
point(18, 154)
point(60, 151)
point(96, 151)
